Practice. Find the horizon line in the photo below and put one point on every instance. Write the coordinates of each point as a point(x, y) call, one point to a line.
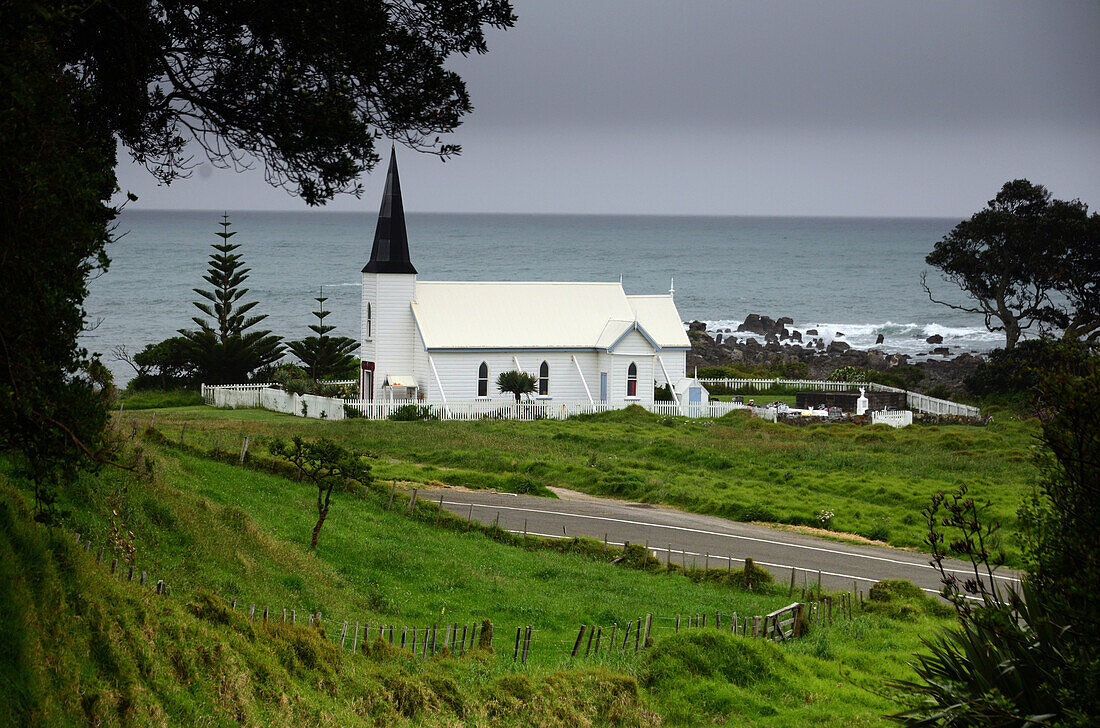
point(553, 214)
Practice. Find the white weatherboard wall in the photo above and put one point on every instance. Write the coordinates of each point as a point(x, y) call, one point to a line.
point(391, 344)
point(458, 372)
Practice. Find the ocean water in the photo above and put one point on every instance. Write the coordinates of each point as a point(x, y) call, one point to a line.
point(857, 276)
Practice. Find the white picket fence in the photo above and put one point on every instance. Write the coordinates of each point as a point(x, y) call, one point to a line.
point(914, 401)
point(333, 408)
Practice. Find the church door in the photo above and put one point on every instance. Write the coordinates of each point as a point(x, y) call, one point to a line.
point(603, 386)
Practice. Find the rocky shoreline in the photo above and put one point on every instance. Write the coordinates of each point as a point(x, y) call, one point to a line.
point(784, 344)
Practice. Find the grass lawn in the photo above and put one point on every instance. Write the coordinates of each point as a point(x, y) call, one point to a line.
point(874, 479)
point(130, 658)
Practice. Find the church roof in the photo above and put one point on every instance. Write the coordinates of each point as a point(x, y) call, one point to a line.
point(534, 315)
point(390, 252)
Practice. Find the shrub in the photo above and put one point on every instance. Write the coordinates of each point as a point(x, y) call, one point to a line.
point(413, 413)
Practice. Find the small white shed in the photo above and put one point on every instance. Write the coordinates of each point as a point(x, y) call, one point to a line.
point(690, 390)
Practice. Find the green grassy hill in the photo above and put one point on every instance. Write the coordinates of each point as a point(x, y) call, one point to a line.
point(874, 479)
point(81, 647)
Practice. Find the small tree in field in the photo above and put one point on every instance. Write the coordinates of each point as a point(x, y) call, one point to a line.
point(324, 355)
point(325, 464)
point(516, 382)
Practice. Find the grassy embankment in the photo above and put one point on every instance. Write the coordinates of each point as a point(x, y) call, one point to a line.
point(83, 648)
point(875, 479)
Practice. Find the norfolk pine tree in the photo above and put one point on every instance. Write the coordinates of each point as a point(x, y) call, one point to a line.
point(325, 356)
point(230, 352)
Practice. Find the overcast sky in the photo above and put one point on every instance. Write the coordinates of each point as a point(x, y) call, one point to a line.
point(800, 107)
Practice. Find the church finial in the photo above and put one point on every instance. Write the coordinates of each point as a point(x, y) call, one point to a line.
point(672, 286)
point(390, 252)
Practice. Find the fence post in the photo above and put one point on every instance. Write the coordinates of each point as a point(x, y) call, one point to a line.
point(677, 623)
point(790, 591)
point(266, 613)
point(588, 646)
point(244, 451)
point(412, 502)
point(293, 616)
point(519, 630)
point(354, 635)
point(404, 635)
point(577, 642)
point(182, 433)
point(599, 635)
point(439, 510)
point(393, 492)
point(526, 644)
point(130, 573)
point(626, 634)
point(343, 634)
point(252, 613)
point(648, 626)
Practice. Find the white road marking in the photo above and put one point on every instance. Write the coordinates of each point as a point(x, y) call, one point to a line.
point(730, 558)
point(719, 533)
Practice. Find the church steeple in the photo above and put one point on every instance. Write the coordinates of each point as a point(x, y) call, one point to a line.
point(390, 253)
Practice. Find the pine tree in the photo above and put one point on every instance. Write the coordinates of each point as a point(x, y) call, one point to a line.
point(230, 352)
point(325, 356)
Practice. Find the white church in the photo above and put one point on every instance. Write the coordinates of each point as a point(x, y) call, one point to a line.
point(438, 342)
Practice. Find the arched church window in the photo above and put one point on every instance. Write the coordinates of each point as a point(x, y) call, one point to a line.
point(544, 379)
point(483, 380)
point(370, 321)
point(632, 380)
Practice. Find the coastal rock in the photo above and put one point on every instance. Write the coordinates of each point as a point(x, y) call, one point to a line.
point(934, 339)
point(941, 351)
point(811, 332)
point(718, 339)
point(838, 333)
point(697, 326)
point(837, 347)
point(880, 339)
point(763, 325)
point(796, 336)
point(785, 321)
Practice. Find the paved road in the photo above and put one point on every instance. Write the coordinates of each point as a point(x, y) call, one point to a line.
point(689, 539)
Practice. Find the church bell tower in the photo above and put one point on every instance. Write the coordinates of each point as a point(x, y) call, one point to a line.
point(389, 286)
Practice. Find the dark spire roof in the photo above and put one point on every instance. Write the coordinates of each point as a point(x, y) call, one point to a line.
point(390, 253)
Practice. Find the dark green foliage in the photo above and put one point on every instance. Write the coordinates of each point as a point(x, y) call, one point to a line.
point(848, 374)
point(772, 370)
point(516, 383)
point(413, 413)
point(56, 180)
point(164, 365)
point(1013, 376)
point(325, 464)
point(662, 393)
point(1062, 520)
point(226, 351)
point(1002, 666)
point(324, 356)
point(1009, 257)
point(304, 88)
